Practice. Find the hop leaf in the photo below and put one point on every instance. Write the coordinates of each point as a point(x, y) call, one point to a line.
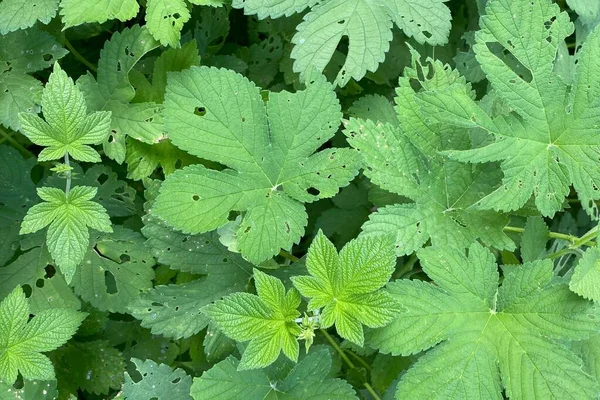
point(220, 116)
point(23, 341)
point(67, 128)
point(75, 12)
point(266, 320)
point(20, 14)
point(307, 380)
point(403, 158)
point(519, 327)
point(158, 381)
point(347, 286)
point(68, 216)
point(549, 141)
point(585, 280)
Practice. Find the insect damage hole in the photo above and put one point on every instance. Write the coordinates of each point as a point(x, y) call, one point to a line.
point(200, 111)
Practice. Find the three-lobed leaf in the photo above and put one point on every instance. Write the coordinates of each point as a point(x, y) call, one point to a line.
point(22, 340)
point(67, 216)
point(266, 320)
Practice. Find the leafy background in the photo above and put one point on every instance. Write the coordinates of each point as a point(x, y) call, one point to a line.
point(415, 206)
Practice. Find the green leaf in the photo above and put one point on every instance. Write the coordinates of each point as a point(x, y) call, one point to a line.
point(18, 93)
point(74, 12)
point(266, 320)
point(519, 327)
point(585, 280)
point(68, 217)
point(158, 381)
point(403, 158)
point(17, 194)
point(29, 50)
point(534, 239)
point(308, 380)
point(68, 127)
point(143, 159)
point(546, 144)
point(273, 8)
point(23, 341)
point(112, 91)
point(31, 390)
point(367, 24)
point(348, 286)
point(115, 270)
point(47, 292)
point(271, 168)
point(21, 14)
point(165, 18)
point(93, 366)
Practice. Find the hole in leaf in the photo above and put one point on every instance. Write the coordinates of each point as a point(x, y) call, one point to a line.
point(110, 282)
point(195, 197)
point(39, 283)
point(200, 111)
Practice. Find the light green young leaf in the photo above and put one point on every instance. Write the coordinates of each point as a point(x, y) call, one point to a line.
point(21, 14)
point(68, 217)
point(548, 143)
point(403, 158)
point(112, 91)
point(68, 127)
point(76, 12)
point(585, 280)
point(520, 327)
point(158, 381)
point(308, 380)
point(367, 24)
point(165, 18)
point(348, 286)
point(266, 320)
point(115, 270)
point(271, 166)
point(23, 341)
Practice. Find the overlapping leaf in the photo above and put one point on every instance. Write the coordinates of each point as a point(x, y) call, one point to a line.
point(309, 379)
point(550, 140)
point(266, 320)
point(403, 158)
point(220, 116)
point(489, 334)
point(158, 381)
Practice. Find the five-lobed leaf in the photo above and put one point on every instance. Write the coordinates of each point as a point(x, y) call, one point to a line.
point(489, 334)
point(268, 151)
point(266, 320)
point(550, 140)
point(22, 341)
point(348, 286)
point(67, 216)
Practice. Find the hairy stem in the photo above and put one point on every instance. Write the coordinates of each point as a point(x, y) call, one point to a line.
point(68, 186)
point(553, 235)
point(288, 256)
point(348, 361)
point(585, 240)
point(78, 56)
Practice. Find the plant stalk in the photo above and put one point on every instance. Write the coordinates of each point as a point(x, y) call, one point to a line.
point(68, 173)
point(79, 57)
point(348, 361)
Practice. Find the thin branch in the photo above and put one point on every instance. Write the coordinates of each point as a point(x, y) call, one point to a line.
point(78, 56)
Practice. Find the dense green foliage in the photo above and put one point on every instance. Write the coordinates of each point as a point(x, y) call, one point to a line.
point(299, 199)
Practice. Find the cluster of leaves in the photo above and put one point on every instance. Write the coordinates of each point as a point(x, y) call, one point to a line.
point(190, 190)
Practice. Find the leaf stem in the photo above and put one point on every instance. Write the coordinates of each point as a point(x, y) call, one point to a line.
point(348, 361)
point(586, 239)
point(552, 235)
point(8, 137)
point(288, 256)
point(78, 56)
point(358, 358)
point(68, 164)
